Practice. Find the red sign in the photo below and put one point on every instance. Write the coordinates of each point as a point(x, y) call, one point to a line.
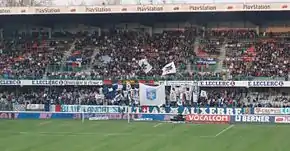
point(208, 118)
point(282, 119)
point(6, 116)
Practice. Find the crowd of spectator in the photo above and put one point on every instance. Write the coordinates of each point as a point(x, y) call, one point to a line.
point(267, 57)
point(115, 54)
point(26, 58)
point(120, 52)
point(120, 95)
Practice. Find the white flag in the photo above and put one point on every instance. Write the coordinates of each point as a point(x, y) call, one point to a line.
point(203, 93)
point(173, 96)
point(169, 69)
point(144, 64)
point(194, 97)
point(151, 95)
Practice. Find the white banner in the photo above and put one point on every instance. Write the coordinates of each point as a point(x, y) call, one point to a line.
point(152, 95)
point(35, 107)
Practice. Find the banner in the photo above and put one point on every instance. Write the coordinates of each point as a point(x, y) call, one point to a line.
point(35, 107)
point(282, 119)
point(4, 115)
point(109, 116)
point(269, 84)
point(196, 118)
point(157, 8)
point(19, 107)
point(64, 82)
point(217, 83)
point(92, 109)
point(95, 116)
point(179, 83)
point(11, 82)
point(190, 110)
point(151, 95)
point(285, 110)
point(149, 82)
point(251, 119)
point(267, 111)
point(50, 82)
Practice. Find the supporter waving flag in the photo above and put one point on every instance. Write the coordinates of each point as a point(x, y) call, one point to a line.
point(144, 64)
point(169, 69)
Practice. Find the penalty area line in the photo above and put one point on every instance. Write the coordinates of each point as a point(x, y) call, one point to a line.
point(224, 130)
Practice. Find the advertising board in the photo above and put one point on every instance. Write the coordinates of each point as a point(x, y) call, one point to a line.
point(92, 116)
point(214, 119)
point(282, 119)
point(5, 115)
point(267, 111)
point(197, 6)
point(285, 110)
point(252, 119)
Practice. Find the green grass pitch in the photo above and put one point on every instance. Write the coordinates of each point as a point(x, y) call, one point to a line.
point(73, 135)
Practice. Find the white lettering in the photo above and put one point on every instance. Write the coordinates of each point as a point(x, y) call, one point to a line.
point(174, 110)
point(220, 111)
point(212, 110)
point(193, 111)
point(238, 111)
point(207, 118)
point(162, 110)
point(238, 118)
point(252, 118)
point(185, 111)
point(203, 111)
point(154, 110)
point(230, 111)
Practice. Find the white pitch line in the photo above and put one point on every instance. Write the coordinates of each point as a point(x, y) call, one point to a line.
point(224, 130)
point(156, 125)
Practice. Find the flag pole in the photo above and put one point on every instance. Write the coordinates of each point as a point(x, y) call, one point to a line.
point(129, 88)
point(128, 113)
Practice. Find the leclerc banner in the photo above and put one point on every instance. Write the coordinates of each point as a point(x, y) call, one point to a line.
point(151, 82)
point(50, 82)
point(266, 84)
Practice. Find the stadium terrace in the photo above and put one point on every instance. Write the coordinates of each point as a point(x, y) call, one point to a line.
point(220, 49)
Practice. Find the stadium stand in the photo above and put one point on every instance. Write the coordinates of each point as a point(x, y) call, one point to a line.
point(101, 53)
